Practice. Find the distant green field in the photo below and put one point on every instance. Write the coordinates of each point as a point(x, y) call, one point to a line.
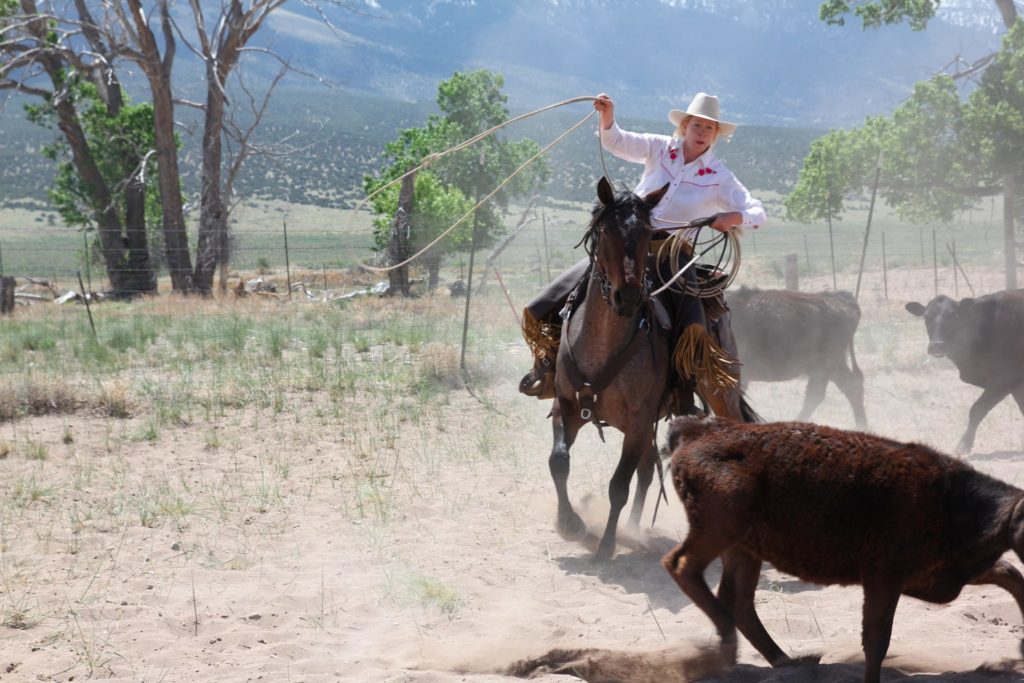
point(33, 243)
point(36, 244)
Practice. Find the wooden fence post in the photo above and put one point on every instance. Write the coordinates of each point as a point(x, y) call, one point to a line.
point(1009, 239)
point(6, 295)
point(287, 259)
point(885, 271)
point(792, 268)
point(956, 280)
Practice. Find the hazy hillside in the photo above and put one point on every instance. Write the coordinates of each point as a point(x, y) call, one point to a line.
point(772, 62)
point(336, 146)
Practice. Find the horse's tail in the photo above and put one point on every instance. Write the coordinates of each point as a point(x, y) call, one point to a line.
point(748, 413)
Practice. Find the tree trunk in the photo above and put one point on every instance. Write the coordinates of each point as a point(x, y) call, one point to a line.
point(1008, 12)
point(1009, 241)
point(107, 220)
point(398, 247)
point(100, 197)
point(433, 263)
point(139, 275)
point(158, 73)
point(212, 213)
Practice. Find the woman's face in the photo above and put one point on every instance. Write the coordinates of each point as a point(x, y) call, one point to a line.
point(699, 133)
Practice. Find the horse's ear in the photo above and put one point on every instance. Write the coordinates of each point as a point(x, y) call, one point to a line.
point(605, 193)
point(652, 199)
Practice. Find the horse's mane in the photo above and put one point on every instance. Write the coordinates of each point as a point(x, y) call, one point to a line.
point(624, 202)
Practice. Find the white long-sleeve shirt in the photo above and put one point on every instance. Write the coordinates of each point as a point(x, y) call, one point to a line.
point(700, 188)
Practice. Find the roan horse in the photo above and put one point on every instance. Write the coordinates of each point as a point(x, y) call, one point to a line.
point(614, 365)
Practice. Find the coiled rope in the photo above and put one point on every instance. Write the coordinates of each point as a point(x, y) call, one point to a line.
point(678, 247)
point(429, 159)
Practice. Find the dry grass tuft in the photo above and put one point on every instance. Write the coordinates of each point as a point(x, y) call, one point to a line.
point(439, 365)
point(114, 400)
point(37, 398)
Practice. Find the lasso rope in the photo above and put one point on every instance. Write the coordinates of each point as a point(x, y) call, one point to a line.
point(679, 245)
point(471, 141)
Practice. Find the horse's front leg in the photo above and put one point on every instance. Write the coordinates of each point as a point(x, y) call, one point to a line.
point(566, 425)
point(634, 446)
point(644, 477)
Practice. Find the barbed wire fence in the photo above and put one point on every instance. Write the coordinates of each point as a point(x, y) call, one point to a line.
point(958, 260)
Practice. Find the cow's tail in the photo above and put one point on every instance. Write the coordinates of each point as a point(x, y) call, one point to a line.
point(853, 362)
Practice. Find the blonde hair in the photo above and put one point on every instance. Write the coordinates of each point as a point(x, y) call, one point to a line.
point(681, 128)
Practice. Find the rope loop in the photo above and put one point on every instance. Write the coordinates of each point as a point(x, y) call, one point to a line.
point(430, 158)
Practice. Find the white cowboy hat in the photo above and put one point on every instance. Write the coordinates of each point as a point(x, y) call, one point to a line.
point(706, 107)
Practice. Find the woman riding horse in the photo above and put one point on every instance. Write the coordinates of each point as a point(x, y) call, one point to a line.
point(698, 185)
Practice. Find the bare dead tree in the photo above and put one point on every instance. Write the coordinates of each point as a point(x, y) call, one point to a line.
point(240, 146)
point(220, 50)
point(137, 42)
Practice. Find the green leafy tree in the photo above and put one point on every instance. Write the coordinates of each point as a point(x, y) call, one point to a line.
point(928, 169)
point(120, 142)
point(470, 103)
point(877, 13)
point(437, 207)
point(943, 153)
point(829, 170)
point(994, 114)
point(68, 65)
point(929, 172)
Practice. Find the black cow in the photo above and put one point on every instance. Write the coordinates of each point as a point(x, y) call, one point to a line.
point(984, 338)
point(782, 335)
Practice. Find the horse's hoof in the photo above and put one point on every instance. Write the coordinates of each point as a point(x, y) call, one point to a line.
point(604, 552)
point(571, 528)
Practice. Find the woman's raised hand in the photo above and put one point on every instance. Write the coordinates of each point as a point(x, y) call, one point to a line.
point(606, 107)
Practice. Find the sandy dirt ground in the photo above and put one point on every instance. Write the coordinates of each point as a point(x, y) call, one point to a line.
point(418, 545)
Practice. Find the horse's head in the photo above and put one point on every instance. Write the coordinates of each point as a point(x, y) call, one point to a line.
point(618, 239)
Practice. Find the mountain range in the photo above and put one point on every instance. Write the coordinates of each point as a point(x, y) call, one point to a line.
point(772, 62)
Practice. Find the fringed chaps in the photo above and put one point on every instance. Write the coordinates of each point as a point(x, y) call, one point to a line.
point(541, 336)
point(698, 355)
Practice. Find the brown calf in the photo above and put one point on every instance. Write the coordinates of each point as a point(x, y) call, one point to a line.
point(834, 507)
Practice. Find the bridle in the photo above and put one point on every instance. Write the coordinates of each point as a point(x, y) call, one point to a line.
point(587, 390)
point(590, 241)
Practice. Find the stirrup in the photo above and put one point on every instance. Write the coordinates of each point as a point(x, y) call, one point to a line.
point(540, 380)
